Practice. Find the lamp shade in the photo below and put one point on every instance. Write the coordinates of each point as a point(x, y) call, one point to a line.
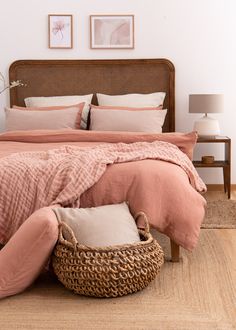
point(206, 103)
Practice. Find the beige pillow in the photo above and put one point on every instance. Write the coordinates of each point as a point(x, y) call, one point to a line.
point(32, 120)
point(100, 226)
point(47, 101)
point(150, 121)
point(132, 100)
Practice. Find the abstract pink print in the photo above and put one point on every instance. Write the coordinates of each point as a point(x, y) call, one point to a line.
point(112, 32)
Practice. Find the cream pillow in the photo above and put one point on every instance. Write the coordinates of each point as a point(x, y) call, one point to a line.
point(150, 121)
point(47, 101)
point(17, 119)
point(132, 100)
point(100, 226)
point(111, 107)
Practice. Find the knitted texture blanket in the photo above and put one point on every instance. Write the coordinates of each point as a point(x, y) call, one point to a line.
point(31, 180)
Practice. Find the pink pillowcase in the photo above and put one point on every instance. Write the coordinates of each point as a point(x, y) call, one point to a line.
point(58, 107)
point(27, 252)
point(150, 121)
point(19, 118)
point(122, 118)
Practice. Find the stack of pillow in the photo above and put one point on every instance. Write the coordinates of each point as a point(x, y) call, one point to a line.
point(128, 112)
point(56, 112)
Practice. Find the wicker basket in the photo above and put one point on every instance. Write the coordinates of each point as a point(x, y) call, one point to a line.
point(107, 271)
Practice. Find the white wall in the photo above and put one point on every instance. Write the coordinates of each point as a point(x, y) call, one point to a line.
point(196, 35)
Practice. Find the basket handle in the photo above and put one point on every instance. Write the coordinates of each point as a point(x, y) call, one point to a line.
point(147, 227)
point(64, 227)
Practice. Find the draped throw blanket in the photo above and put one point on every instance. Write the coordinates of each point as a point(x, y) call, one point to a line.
point(31, 180)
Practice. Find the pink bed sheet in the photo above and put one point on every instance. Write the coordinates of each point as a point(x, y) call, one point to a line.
point(160, 189)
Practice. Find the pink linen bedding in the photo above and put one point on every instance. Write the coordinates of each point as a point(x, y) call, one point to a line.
point(159, 188)
point(27, 253)
point(184, 141)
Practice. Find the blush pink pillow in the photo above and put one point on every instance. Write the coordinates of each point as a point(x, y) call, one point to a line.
point(58, 107)
point(83, 111)
point(27, 252)
point(150, 121)
point(120, 118)
point(43, 118)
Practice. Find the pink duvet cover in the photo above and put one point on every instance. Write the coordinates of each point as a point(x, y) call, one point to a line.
point(161, 189)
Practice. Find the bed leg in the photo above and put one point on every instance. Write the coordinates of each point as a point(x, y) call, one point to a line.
point(174, 251)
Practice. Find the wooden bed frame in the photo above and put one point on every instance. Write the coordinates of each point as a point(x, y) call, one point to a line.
point(78, 77)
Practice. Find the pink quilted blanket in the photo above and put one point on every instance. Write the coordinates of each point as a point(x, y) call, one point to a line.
point(31, 180)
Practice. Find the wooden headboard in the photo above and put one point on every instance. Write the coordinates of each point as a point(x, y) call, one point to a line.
point(78, 77)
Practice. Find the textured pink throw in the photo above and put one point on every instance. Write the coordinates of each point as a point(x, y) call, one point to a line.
point(31, 180)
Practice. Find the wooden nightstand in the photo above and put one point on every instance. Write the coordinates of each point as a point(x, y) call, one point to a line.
point(225, 164)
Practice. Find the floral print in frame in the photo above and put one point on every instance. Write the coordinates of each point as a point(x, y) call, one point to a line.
point(60, 31)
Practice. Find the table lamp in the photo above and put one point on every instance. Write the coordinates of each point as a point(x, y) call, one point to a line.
point(206, 103)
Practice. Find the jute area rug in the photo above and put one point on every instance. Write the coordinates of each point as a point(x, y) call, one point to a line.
point(198, 293)
point(220, 214)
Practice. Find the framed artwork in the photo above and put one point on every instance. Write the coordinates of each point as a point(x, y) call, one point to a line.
point(111, 31)
point(60, 33)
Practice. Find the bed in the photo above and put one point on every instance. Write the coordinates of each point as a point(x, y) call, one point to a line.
point(115, 77)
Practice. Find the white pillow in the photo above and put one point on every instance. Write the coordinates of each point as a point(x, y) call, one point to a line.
point(100, 226)
point(48, 101)
point(132, 100)
point(150, 121)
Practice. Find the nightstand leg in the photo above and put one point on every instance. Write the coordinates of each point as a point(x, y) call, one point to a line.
point(229, 188)
point(228, 167)
point(227, 183)
point(225, 179)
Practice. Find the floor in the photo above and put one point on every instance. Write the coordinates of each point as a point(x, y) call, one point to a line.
point(199, 292)
point(215, 195)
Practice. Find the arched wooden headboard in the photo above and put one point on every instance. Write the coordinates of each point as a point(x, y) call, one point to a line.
point(78, 77)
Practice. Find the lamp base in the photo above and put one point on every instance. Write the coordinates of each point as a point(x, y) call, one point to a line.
point(207, 126)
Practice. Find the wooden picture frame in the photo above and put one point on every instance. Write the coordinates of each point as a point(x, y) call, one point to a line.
point(60, 31)
point(112, 31)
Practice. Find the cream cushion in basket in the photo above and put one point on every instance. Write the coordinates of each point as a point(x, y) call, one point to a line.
point(100, 226)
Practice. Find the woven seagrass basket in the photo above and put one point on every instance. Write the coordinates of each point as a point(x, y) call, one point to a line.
point(107, 271)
